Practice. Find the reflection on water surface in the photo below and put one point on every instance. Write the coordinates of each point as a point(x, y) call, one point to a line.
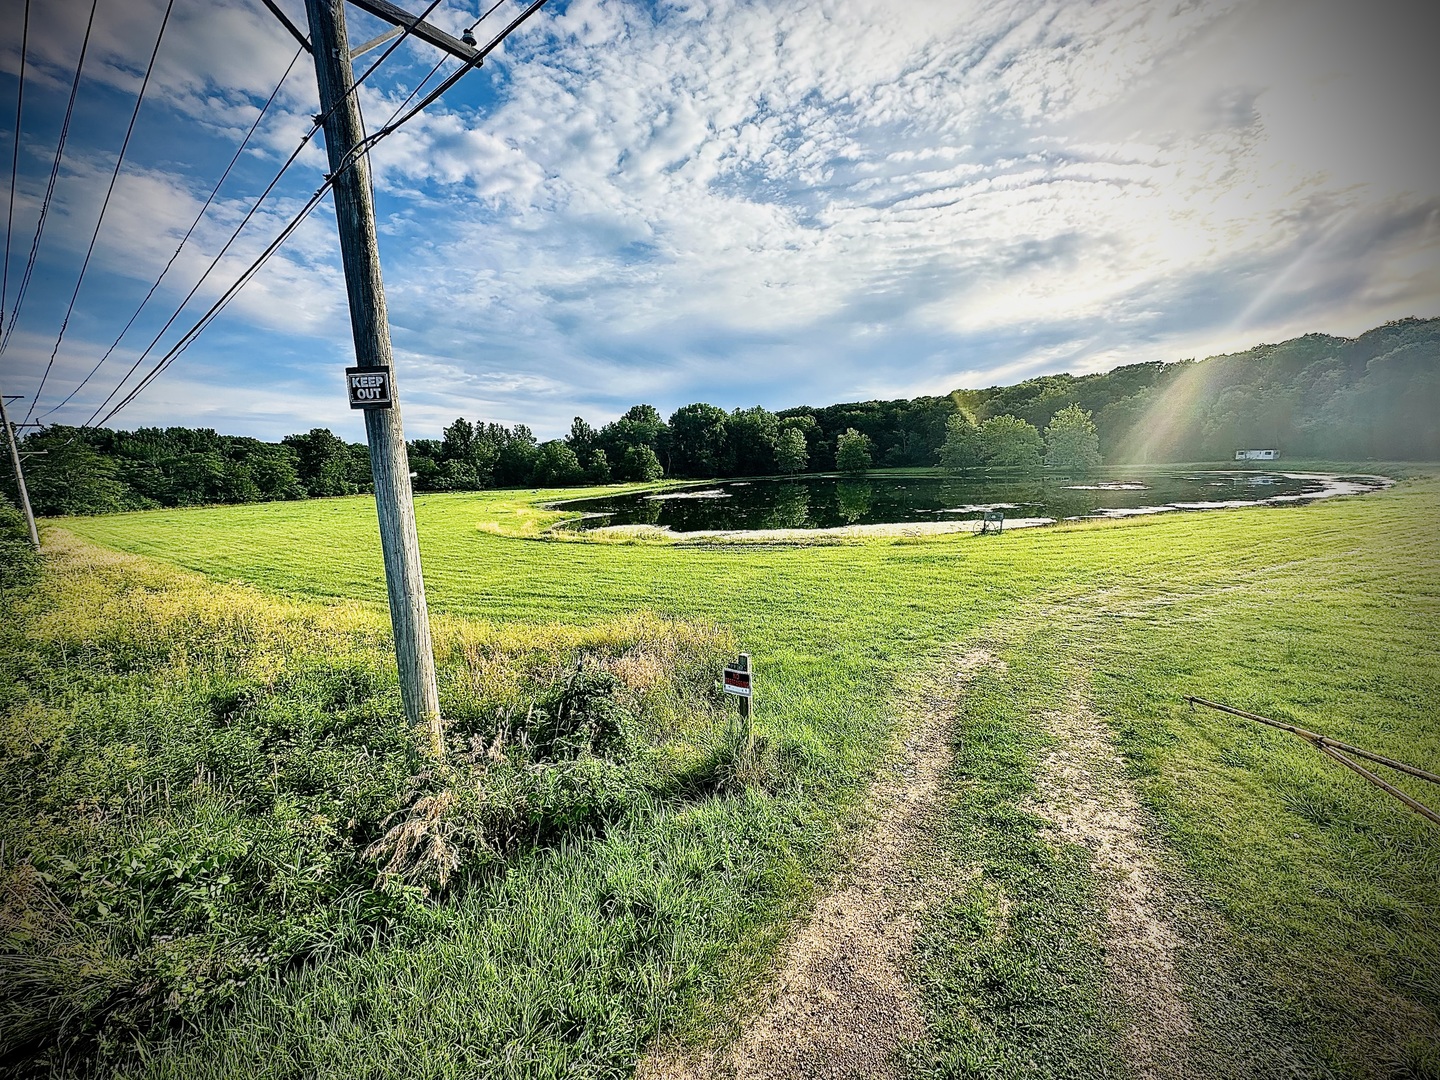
point(825, 502)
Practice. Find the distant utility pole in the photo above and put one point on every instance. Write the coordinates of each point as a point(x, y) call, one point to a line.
point(19, 474)
point(389, 464)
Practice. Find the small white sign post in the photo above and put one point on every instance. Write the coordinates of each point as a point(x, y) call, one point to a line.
point(737, 681)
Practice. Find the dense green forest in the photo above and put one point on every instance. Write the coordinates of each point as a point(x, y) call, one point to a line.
point(1319, 397)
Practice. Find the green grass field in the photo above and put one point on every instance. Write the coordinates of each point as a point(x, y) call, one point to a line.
point(1304, 899)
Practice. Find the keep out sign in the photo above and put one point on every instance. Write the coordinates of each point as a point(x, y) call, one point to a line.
point(369, 387)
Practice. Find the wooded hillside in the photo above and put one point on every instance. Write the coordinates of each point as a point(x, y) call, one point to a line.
point(1373, 397)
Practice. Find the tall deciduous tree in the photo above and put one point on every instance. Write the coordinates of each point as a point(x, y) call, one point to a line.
point(791, 454)
point(556, 465)
point(515, 464)
point(698, 444)
point(597, 469)
point(818, 452)
point(641, 425)
point(457, 441)
point(324, 462)
point(1009, 442)
point(1071, 441)
point(852, 452)
point(581, 438)
point(641, 463)
point(752, 435)
point(70, 477)
point(961, 449)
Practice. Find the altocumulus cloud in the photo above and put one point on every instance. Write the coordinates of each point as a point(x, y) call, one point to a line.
point(749, 202)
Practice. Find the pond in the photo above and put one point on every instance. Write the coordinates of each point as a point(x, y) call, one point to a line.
point(942, 504)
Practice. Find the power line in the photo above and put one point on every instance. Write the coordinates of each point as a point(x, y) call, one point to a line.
point(423, 82)
point(471, 28)
point(451, 79)
point(183, 240)
point(104, 205)
point(405, 33)
point(290, 26)
point(441, 63)
point(315, 127)
point(205, 276)
point(50, 184)
point(14, 164)
point(204, 321)
point(318, 123)
point(209, 316)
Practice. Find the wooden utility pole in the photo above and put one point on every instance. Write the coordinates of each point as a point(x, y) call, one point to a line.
point(19, 474)
point(389, 464)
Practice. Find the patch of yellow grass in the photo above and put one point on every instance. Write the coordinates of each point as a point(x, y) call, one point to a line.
point(94, 601)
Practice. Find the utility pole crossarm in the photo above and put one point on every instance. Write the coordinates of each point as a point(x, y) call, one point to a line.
point(376, 42)
point(382, 9)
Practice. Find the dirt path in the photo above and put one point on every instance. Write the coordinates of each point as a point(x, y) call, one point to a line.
point(841, 1005)
point(1084, 793)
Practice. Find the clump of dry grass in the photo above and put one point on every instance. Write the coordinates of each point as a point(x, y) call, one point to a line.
point(421, 843)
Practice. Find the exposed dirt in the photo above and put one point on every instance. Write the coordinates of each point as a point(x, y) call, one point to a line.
point(1084, 793)
point(843, 532)
point(840, 1004)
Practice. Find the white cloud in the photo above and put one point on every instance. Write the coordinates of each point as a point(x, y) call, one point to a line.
point(717, 199)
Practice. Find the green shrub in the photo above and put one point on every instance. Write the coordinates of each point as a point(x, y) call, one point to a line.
point(564, 768)
point(582, 716)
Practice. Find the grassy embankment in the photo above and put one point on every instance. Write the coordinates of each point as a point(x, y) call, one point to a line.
point(643, 917)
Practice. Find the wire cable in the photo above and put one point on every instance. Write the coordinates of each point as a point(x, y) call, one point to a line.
point(317, 123)
point(206, 275)
point(183, 240)
point(215, 309)
point(50, 184)
point(205, 320)
point(104, 206)
point(455, 76)
point(14, 164)
point(411, 96)
point(434, 70)
point(471, 28)
point(450, 80)
point(405, 33)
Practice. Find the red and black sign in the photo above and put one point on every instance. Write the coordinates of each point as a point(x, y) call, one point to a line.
point(737, 682)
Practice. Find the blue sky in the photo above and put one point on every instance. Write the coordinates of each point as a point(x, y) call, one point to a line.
point(741, 203)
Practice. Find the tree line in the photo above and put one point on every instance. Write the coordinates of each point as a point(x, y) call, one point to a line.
point(1371, 397)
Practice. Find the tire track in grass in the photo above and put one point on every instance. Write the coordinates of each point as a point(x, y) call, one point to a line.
point(1084, 795)
point(842, 1003)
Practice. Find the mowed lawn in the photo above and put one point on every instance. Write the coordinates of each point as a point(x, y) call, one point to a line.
point(1320, 889)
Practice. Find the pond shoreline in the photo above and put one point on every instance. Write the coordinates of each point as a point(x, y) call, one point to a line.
point(1334, 485)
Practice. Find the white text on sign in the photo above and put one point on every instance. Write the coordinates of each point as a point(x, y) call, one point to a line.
point(368, 387)
point(736, 682)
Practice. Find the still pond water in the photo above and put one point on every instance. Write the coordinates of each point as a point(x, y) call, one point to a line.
point(824, 502)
